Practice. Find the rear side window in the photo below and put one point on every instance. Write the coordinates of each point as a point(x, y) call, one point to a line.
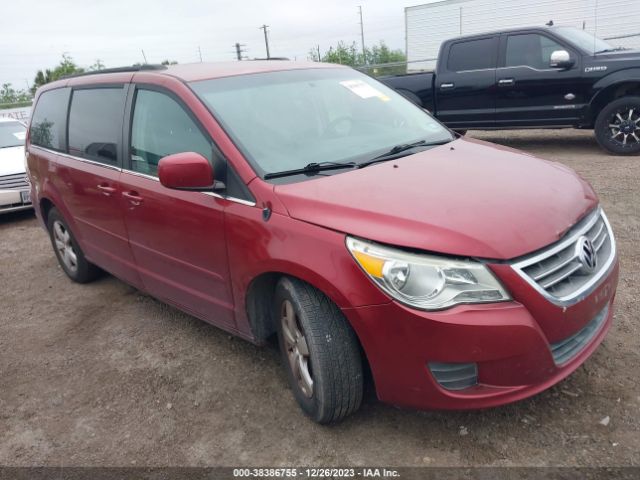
point(472, 55)
point(95, 124)
point(161, 127)
point(49, 119)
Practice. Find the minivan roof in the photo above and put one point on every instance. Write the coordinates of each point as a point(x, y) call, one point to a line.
point(190, 72)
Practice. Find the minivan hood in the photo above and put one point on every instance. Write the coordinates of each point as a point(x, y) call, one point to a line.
point(467, 198)
point(11, 160)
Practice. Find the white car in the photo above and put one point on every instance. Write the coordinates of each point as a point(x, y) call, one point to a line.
point(15, 191)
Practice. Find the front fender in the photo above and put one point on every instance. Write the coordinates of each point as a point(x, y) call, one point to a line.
point(613, 80)
point(287, 246)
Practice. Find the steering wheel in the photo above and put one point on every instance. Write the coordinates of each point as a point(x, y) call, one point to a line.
point(339, 127)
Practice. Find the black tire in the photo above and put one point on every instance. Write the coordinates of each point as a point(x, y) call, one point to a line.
point(617, 112)
point(82, 271)
point(334, 359)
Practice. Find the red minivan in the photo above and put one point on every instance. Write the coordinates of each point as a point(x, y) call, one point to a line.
point(310, 201)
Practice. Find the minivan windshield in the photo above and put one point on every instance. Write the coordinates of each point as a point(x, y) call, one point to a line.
point(12, 134)
point(586, 41)
point(290, 119)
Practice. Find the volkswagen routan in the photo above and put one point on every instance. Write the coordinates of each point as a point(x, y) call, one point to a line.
point(309, 202)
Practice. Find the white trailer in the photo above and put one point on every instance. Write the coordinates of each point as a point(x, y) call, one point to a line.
point(428, 25)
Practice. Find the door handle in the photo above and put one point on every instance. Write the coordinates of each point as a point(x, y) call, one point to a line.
point(446, 86)
point(506, 82)
point(133, 198)
point(106, 189)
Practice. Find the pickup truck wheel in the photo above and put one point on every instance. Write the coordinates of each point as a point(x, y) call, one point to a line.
point(320, 351)
point(617, 127)
point(68, 252)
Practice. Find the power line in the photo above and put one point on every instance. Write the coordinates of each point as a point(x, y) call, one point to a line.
point(266, 39)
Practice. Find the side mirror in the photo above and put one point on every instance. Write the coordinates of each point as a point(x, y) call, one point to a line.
point(560, 59)
point(186, 171)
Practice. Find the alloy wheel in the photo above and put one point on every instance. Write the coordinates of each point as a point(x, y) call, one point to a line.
point(297, 349)
point(62, 240)
point(624, 127)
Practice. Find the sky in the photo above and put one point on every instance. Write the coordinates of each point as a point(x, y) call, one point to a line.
point(34, 35)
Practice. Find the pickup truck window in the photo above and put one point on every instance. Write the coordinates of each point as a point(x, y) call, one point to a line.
point(530, 49)
point(471, 55)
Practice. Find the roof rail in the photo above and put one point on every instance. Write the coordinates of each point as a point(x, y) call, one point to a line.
point(132, 68)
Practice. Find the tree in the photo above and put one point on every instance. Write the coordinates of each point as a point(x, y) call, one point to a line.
point(168, 62)
point(66, 67)
point(10, 97)
point(351, 55)
point(98, 65)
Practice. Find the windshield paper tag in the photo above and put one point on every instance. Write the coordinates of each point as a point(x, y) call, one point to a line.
point(364, 90)
point(20, 135)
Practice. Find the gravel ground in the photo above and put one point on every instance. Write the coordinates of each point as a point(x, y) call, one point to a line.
point(102, 375)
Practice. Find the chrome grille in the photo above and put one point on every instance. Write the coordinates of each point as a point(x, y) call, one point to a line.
point(570, 267)
point(16, 181)
point(566, 349)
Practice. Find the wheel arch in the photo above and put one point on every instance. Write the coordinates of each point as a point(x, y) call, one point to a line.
point(259, 306)
point(612, 87)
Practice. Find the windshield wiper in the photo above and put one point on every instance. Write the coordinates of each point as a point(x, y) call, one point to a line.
point(311, 168)
point(400, 151)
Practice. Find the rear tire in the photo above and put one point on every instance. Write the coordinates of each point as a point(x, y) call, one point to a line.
point(617, 127)
point(67, 250)
point(320, 351)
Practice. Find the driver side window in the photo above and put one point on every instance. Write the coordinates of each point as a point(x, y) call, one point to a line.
point(531, 50)
point(161, 127)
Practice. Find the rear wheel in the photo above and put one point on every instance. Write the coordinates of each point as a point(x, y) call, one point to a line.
point(68, 252)
point(617, 127)
point(320, 352)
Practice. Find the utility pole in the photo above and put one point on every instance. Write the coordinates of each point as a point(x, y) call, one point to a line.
point(319, 56)
point(266, 39)
point(144, 56)
point(200, 53)
point(239, 50)
point(364, 51)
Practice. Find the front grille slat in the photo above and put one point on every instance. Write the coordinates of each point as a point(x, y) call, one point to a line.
point(14, 182)
point(558, 272)
point(559, 278)
point(554, 268)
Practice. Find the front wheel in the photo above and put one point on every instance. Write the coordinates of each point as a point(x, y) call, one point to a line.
point(617, 127)
point(320, 352)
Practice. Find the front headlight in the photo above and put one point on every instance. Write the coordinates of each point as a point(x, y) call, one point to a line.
point(425, 281)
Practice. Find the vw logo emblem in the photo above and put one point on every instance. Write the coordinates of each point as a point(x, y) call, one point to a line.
point(586, 254)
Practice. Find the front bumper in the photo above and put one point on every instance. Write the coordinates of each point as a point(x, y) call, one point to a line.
point(513, 354)
point(11, 201)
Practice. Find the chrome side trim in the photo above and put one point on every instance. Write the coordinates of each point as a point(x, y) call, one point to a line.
point(80, 159)
point(589, 286)
point(211, 194)
point(231, 199)
point(138, 174)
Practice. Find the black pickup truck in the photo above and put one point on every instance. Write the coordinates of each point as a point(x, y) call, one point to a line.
point(533, 77)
